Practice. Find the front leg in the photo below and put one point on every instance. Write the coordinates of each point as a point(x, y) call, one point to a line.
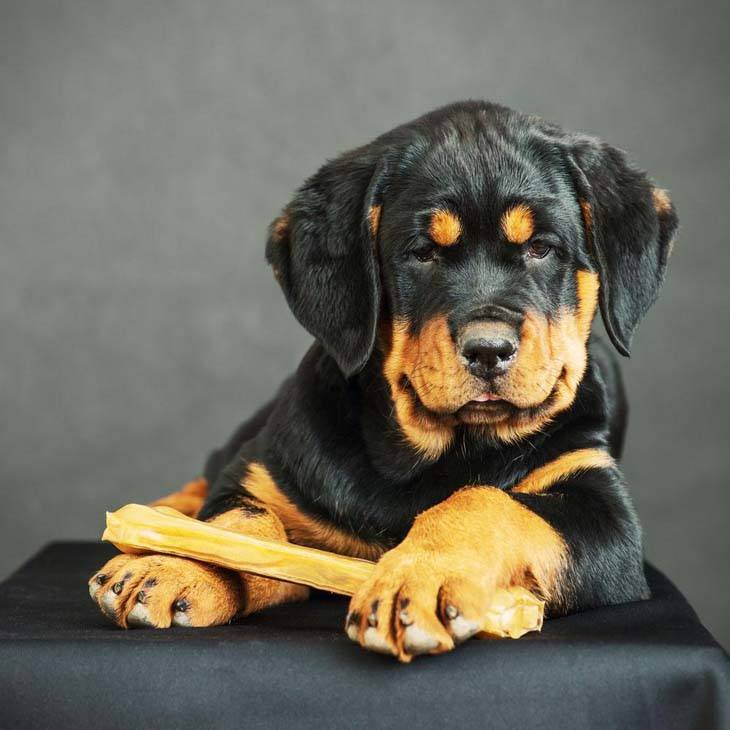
point(430, 592)
point(566, 533)
point(159, 591)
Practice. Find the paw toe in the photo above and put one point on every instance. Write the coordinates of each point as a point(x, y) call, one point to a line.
point(417, 640)
point(370, 621)
point(111, 568)
point(139, 617)
point(408, 611)
point(376, 641)
point(461, 602)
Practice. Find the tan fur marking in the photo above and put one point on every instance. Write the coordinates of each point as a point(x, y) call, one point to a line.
point(552, 359)
point(301, 528)
point(588, 286)
point(518, 224)
point(445, 227)
point(261, 592)
point(515, 542)
point(455, 556)
point(587, 213)
point(542, 382)
point(428, 362)
point(214, 595)
point(280, 228)
point(188, 500)
point(374, 219)
point(564, 466)
point(662, 202)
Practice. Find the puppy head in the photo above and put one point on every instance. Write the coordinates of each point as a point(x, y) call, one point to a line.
point(466, 253)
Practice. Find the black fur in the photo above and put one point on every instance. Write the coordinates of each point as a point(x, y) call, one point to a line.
point(330, 438)
point(631, 242)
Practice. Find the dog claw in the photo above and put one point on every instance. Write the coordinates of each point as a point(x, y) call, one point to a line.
point(373, 617)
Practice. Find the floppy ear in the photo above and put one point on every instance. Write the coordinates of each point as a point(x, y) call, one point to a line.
point(322, 250)
point(630, 226)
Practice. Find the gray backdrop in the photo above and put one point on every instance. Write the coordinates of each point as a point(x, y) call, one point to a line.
point(145, 146)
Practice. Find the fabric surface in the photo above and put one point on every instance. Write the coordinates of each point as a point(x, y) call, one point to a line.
point(649, 665)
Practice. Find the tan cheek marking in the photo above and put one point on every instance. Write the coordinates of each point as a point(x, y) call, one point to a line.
point(588, 286)
point(301, 528)
point(564, 466)
point(428, 436)
point(518, 224)
point(662, 202)
point(436, 373)
point(445, 228)
point(552, 356)
point(374, 219)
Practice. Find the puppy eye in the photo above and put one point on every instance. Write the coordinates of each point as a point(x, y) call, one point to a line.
point(425, 254)
point(538, 249)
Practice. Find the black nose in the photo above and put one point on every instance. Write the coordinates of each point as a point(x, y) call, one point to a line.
point(488, 357)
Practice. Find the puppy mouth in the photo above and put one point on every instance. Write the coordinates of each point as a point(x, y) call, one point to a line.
point(487, 407)
point(486, 398)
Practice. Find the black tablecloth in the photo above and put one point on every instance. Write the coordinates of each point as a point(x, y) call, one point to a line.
point(648, 665)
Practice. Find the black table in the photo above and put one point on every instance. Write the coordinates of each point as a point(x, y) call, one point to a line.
point(644, 665)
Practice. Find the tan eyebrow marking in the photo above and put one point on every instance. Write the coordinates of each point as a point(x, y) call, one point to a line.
point(445, 227)
point(374, 219)
point(518, 224)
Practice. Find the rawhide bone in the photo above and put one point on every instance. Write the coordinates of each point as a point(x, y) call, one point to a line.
point(135, 528)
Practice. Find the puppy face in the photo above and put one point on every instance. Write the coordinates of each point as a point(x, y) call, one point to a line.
point(488, 287)
point(465, 254)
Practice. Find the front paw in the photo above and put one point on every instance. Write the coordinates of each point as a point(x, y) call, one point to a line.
point(160, 591)
point(420, 603)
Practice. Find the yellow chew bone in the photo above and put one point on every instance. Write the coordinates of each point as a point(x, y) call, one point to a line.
point(513, 612)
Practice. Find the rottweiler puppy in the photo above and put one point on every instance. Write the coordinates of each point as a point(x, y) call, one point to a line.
point(454, 418)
